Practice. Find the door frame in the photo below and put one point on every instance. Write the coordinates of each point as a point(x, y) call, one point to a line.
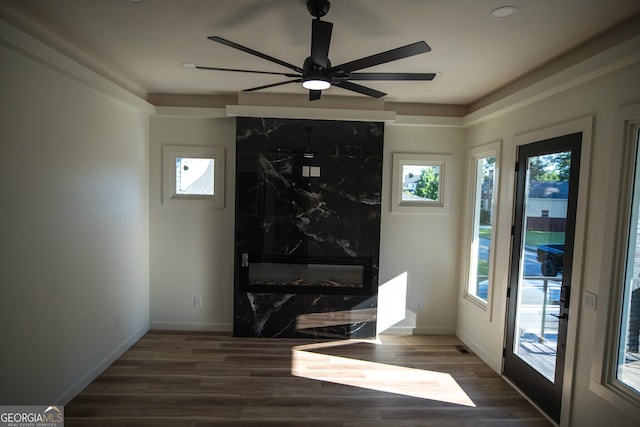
point(585, 126)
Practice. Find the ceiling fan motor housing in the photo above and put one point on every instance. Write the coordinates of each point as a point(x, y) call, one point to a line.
point(311, 69)
point(318, 8)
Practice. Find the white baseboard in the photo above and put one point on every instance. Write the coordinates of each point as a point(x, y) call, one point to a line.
point(87, 378)
point(534, 404)
point(434, 331)
point(487, 358)
point(192, 326)
point(398, 330)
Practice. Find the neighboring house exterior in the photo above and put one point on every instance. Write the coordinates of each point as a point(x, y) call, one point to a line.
point(409, 182)
point(548, 199)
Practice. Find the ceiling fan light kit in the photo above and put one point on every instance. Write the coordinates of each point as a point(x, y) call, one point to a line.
point(317, 73)
point(316, 84)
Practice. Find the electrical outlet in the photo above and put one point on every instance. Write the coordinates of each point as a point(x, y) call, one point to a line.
point(197, 301)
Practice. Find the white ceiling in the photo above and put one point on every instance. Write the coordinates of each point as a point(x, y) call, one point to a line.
point(142, 45)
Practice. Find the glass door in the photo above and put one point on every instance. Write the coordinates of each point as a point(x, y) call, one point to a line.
point(541, 260)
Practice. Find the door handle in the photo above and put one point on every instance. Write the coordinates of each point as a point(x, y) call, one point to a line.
point(564, 295)
point(563, 316)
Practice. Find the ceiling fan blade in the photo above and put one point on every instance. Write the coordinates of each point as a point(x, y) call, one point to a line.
point(255, 53)
point(314, 95)
point(392, 76)
point(320, 41)
point(247, 71)
point(360, 89)
point(273, 85)
point(384, 57)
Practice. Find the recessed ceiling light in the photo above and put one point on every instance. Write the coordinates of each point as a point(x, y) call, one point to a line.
point(135, 1)
point(503, 12)
point(189, 65)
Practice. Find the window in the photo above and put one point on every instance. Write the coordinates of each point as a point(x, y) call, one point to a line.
point(482, 220)
point(193, 176)
point(615, 374)
point(421, 183)
point(627, 369)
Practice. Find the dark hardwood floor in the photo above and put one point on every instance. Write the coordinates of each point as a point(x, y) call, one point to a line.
point(208, 379)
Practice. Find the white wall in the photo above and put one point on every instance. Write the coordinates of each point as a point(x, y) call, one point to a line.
point(600, 98)
point(74, 226)
point(424, 245)
point(191, 247)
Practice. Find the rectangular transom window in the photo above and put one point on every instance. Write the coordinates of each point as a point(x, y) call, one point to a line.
point(193, 175)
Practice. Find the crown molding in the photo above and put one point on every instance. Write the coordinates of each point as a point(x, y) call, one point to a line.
point(310, 113)
point(33, 49)
point(622, 55)
point(192, 112)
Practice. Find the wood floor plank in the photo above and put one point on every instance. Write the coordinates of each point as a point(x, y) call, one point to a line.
point(206, 379)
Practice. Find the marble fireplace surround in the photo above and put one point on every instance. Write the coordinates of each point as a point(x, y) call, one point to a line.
point(307, 229)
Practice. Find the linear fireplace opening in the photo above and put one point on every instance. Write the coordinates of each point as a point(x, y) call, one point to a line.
point(317, 275)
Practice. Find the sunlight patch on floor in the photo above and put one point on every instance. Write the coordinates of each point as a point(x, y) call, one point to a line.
point(419, 383)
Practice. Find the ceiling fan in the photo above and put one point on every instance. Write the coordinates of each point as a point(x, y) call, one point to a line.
point(317, 73)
